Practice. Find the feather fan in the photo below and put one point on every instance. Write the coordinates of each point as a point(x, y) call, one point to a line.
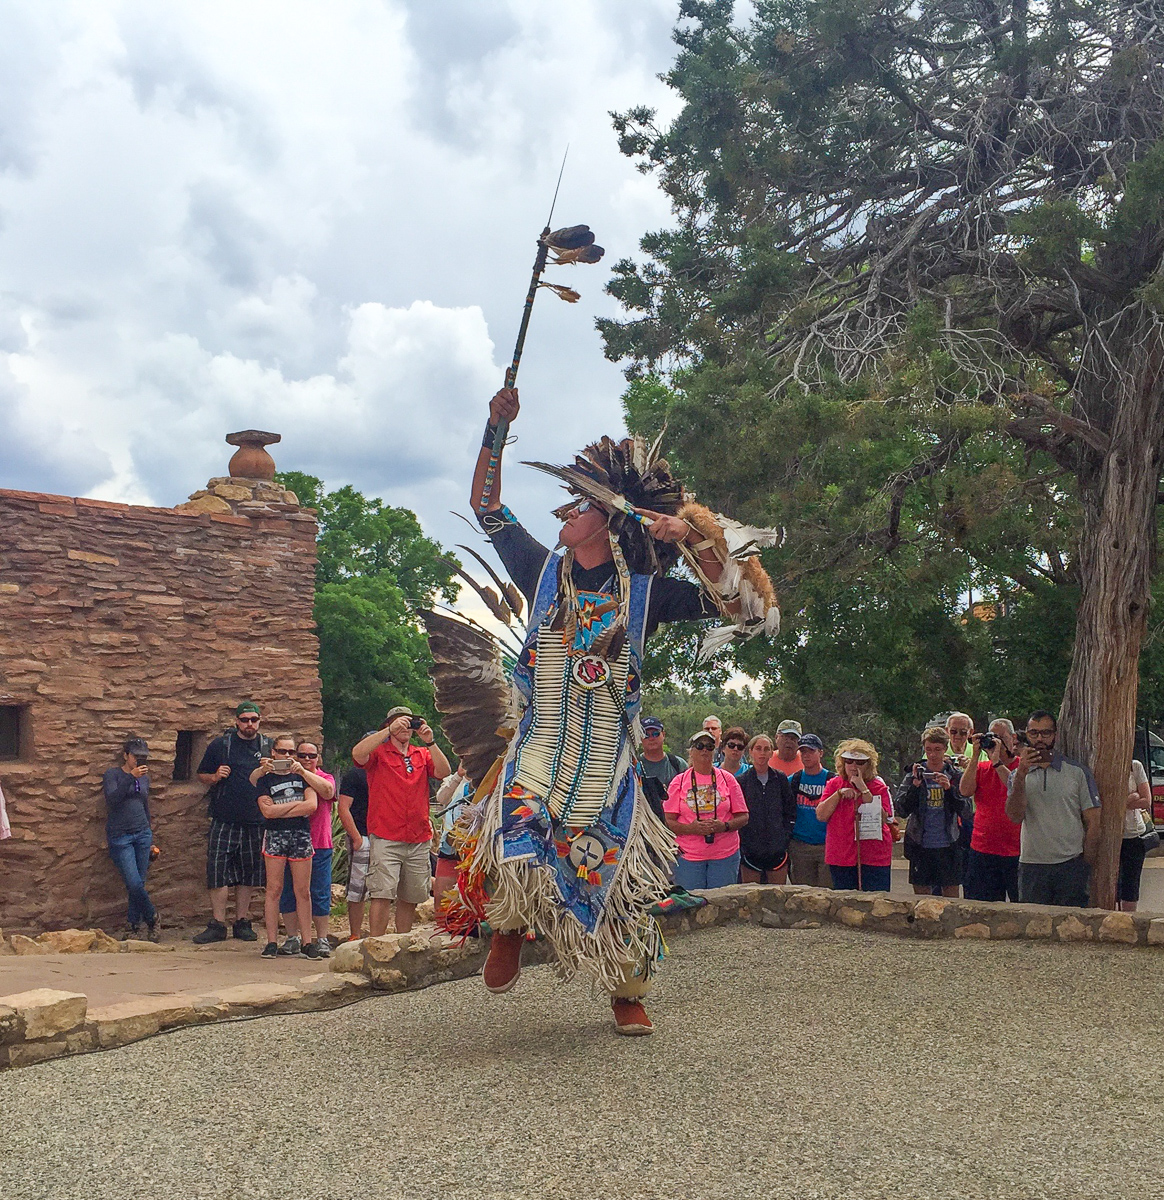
point(471, 689)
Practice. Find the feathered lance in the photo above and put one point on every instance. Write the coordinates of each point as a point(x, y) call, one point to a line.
point(574, 244)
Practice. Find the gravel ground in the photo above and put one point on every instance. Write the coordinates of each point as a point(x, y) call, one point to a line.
point(799, 1064)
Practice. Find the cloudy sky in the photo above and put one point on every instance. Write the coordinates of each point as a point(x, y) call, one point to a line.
point(314, 218)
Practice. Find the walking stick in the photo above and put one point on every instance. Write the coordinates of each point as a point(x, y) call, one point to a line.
point(857, 837)
point(574, 244)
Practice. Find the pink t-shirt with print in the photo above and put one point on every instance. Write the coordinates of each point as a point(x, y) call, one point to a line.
point(727, 801)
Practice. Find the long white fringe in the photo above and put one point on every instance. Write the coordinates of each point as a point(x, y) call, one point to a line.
point(627, 940)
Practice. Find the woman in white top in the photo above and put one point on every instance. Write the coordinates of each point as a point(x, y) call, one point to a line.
point(1139, 812)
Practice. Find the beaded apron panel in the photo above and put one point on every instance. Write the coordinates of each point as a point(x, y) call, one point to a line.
point(572, 746)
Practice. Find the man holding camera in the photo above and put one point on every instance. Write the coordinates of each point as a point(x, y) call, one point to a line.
point(399, 829)
point(1057, 803)
point(234, 856)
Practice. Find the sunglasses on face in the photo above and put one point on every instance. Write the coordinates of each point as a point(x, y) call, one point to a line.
point(735, 745)
point(704, 746)
point(307, 754)
point(248, 720)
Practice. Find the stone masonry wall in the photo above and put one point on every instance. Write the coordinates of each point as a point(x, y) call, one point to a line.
point(119, 620)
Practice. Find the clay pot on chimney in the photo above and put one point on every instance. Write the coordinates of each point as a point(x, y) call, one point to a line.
point(251, 460)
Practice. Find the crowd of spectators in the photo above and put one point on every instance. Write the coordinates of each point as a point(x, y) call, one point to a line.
point(996, 816)
point(1000, 815)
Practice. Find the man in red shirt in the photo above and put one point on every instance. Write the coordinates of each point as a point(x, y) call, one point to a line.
point(399, 831)
point(992, 867)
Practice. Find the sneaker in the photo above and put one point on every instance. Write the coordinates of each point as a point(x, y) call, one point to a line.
point(291, 945)
point(311, 950)
point(630, 1018)
point(130, 931)
point(154, 930)
point(270, 950)
point(503, 966)
point(215, 931)
point(324, 948)
point(243, 931)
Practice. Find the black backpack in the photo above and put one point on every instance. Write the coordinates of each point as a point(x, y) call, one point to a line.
point(266, 745)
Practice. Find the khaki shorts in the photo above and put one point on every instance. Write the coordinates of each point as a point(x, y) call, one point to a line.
point(398, 871)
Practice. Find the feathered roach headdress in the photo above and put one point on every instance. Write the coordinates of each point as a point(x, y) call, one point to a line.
point(623, 476)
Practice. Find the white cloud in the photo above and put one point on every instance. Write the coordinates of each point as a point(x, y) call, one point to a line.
point(316, 219)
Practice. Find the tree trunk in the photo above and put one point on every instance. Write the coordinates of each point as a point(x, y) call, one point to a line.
point(1116, 563)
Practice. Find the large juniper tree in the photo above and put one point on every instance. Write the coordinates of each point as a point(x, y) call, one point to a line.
point(845, 170)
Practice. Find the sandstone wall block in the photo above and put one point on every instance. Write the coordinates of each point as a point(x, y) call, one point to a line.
point(1156, 932)
point(1119, 927)
point(1072, 929)
point(930, 909)
point(853, 917)
point(68, 941)
point(44, 1013)
point(28, 1054)
point(1038, 927)
point(976, 930)
point(132, 1020)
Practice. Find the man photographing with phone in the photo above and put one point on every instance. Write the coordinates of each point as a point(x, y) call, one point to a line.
point(1057, 803)
point(399, 830)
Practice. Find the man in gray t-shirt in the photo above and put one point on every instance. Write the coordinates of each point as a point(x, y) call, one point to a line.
point(1057, 803)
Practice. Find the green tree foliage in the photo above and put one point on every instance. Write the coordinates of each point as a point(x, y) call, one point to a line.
point(682, 710)
point(899, 231)
point(375, 567)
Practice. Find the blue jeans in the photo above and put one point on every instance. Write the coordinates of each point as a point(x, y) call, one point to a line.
point(873, 879)
point(131, 856)
point(713, 873)
point(320, 886)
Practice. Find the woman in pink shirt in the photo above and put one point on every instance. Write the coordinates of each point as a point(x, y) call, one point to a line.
point(859, 811)
point(705, 810)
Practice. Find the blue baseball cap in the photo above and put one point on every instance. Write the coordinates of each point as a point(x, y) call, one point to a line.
point(651, 725)
point(811, 741)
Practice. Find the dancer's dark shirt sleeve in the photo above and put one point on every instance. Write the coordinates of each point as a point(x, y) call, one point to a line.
point(524, 556)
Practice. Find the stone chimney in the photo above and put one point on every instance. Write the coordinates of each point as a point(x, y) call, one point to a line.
point(250, 489)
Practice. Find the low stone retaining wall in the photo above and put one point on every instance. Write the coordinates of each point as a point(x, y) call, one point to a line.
point(45, 1023)
point(793, 907)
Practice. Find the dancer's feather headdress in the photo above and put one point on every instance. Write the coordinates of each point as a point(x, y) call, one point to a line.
point(623, 476)
point(628, 475)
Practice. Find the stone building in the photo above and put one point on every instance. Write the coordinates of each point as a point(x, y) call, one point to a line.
point(117, 620)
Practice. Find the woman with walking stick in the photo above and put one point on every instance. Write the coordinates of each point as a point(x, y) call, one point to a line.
point(858, 810)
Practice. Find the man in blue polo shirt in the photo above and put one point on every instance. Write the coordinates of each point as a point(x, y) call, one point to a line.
point(806, 862)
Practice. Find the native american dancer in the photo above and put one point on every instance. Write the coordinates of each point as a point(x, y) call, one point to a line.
point(563, 840)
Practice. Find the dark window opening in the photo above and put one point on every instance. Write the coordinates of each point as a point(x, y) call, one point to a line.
point(184, 755)
point(13, 730)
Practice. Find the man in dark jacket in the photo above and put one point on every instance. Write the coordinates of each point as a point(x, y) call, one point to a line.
point(771, 817)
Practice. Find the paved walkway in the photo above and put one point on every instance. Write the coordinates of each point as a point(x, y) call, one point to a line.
point(111, 978)
point(798, 1064)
